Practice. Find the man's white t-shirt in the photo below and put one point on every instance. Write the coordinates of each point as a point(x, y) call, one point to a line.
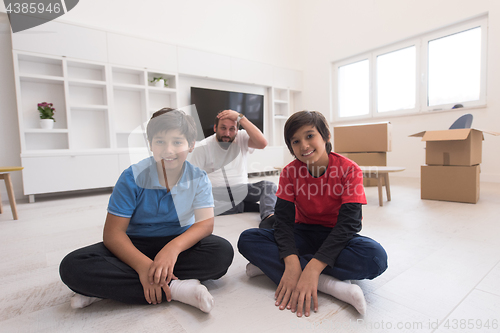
point(211, 157)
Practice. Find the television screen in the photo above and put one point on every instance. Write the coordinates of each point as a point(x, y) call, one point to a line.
point(210, 102)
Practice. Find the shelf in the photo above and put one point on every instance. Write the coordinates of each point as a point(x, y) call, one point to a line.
point(42, 79)
point(128, 76)
point(81, 107)
point(280, 94)
point(130, 87)
point(89, 130)
point(85, 94)
point(41, 130)
point(86, 83)
point(129, 109)
point(170, 78)
point(34, 92)
point(280, 101)
point(162, 90)
point(39, 66)
point(281, 109)
point(159, 100)
point(46, 140)
point(86, 71)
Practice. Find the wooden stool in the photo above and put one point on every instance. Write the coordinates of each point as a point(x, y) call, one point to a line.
point(10, 191)
point(380, 172)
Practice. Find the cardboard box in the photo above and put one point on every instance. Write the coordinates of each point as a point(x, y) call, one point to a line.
point(453, 147)
point(450, 183)
point(368, 159)
point(362, 138)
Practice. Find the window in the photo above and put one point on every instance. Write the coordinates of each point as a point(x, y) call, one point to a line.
point(431, 72)
point(455, 68)
point(396, 80)
point(354, 89)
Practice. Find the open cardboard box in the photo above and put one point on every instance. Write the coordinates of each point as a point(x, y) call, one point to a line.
point(363, 138)
point(453, 147)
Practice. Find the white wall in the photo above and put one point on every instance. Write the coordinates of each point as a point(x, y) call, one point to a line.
point(333, 30)
point(259, 30)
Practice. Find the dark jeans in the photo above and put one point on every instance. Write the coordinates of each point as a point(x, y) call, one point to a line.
point(257, 197)
point(362, 258)
point(95, 271)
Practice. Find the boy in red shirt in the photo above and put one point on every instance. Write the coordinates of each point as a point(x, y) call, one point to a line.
point(315, 243)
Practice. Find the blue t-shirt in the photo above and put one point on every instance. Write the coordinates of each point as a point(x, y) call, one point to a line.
point(153, 211)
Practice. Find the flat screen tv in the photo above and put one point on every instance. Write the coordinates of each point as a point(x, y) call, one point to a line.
point(210, 102)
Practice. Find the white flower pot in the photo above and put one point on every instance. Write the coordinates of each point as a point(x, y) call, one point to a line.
point(47, 123)
point(160, 83)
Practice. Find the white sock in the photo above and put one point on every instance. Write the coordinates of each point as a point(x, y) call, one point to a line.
point(253, 270)
point(79, 301)
point(192, 292)
point(343, 290)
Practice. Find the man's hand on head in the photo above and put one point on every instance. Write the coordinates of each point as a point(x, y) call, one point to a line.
point(230, 114)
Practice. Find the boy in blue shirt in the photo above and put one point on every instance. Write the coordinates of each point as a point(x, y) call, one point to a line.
point(157, 239)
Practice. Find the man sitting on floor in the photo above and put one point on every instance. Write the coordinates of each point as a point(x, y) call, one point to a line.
point(223, 156)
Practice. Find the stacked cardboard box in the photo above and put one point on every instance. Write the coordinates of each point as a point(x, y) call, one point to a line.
point(366, 144)
point(453, 159)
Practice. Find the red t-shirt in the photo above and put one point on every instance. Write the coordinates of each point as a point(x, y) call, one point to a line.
point(318, 200)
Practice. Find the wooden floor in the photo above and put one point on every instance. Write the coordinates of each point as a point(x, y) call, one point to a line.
point(444, 269)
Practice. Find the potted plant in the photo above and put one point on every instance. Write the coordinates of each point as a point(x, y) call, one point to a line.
point(46, 115)
point(160, 82)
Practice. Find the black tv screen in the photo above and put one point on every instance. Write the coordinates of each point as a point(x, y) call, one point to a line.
point(210, 102)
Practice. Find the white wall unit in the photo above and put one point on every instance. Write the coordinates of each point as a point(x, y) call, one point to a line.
point(59, 39)
point(100, 111)
point(281, 112)
point(204, 64)
point(284, 103)
point(131, 51)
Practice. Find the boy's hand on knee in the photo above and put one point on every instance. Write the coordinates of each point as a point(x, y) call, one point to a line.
point(306, 290)
point(161, 270)
point(152, 292)
point(288, 282)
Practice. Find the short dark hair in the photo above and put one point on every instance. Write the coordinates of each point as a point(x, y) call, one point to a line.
point(168, 119)
point(216, 120)
point(304, 118)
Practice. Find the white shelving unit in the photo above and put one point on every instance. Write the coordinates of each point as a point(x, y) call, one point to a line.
point(284, 102)
point(99, 107)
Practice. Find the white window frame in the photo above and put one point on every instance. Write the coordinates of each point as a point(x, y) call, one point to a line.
point(335, 95)
point(386, 50)
point(421, 46)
